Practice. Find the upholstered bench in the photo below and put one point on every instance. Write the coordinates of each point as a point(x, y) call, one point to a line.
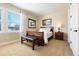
point(29, 38)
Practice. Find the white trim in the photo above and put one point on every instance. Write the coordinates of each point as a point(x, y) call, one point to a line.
point(4, 13)
point(9, 32)
point(8, 10)
point(1, 18)
point(10, 42)
point(1, 8)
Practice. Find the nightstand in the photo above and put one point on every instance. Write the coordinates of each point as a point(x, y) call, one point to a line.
point(59, 35)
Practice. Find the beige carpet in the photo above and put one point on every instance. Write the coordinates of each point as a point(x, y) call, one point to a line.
point(54, 48)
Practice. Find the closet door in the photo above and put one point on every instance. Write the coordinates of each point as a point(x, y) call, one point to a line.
point(73, 28)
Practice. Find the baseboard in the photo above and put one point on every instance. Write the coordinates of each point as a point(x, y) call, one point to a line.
point(10, 42)
point(75, 53)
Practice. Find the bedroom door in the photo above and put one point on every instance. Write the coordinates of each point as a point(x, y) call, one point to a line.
point(73, 28)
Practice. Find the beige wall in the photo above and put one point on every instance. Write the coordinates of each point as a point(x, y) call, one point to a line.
point(10, 36)
point(58, 17)
point(6, 37)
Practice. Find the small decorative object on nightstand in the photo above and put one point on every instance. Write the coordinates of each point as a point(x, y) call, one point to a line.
point(59, 35)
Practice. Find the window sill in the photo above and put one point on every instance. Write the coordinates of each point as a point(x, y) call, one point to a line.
point(9, 31)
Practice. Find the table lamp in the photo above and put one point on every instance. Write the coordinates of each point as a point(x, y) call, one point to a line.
point(59, 27)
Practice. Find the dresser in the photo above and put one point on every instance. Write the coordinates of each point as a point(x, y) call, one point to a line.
point(59, 35)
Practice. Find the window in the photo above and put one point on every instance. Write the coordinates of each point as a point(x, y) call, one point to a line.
point(0, 20)
point(13, 21)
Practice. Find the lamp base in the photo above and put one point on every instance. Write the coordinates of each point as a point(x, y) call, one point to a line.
point(59, 31)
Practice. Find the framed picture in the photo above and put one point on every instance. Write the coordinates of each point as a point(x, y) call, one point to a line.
point(47, 22)
point(31, 23)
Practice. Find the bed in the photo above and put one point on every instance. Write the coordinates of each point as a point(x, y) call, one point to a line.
point(44, 34)
point(47, 33)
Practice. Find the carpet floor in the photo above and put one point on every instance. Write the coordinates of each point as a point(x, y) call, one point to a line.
point(53, 48)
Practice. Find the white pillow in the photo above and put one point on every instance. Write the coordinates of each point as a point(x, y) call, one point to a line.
point(42, 29)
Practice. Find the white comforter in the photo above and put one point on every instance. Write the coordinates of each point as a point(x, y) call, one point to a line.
point(47, 34)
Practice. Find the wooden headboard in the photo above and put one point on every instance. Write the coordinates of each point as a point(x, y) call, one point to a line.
point(33, 33)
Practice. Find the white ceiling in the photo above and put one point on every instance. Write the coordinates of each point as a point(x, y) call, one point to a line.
point(41, 8)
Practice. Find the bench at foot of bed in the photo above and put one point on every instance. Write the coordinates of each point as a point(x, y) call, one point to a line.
point(33, 39)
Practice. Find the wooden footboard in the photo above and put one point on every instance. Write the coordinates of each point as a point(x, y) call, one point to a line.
point(39, 35)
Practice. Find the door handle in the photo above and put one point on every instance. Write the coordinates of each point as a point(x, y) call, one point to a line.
point(75, 30)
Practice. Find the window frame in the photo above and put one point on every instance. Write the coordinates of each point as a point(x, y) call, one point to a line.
point(1, 19)
point(16, 12)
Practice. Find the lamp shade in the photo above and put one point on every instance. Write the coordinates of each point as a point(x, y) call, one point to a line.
point(58, 25)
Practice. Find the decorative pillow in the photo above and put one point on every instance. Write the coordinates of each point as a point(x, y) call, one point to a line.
point(42, 30)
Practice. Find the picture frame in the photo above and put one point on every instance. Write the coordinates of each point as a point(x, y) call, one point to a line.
point(47, 22)
point(31, 23)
